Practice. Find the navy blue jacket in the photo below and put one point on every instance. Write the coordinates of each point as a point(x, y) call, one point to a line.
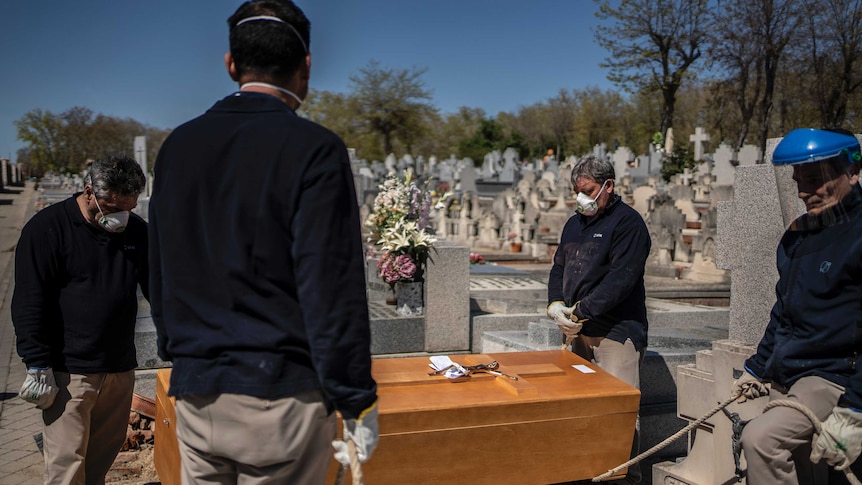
point(600, 262)
point(815, 328)
point(75, 299)
point(258, 283)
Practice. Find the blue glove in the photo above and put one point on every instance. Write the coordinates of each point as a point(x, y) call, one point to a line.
point(39, 387)
point(364, 434)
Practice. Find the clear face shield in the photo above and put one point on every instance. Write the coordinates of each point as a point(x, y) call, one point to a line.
point(825, 165)
point(822, 185)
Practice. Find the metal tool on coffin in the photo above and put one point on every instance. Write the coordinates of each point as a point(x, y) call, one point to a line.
point(457, 372)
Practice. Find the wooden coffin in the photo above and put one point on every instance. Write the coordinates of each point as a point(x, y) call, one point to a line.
point(554, 424)
point(166, 455)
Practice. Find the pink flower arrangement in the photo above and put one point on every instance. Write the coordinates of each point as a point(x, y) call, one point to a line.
point(476, 258)
point(399, 228)
point(393, 268)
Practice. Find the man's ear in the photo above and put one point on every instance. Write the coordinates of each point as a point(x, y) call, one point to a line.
point(306, 68)
point(230, 66)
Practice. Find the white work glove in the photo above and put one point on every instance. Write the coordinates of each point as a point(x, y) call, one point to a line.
point(560, 314)
point(840, 439)
point(39, 387)
point(364, 434)
point(749, 386)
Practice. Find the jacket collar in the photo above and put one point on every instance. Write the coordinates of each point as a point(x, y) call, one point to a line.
point(250, 102)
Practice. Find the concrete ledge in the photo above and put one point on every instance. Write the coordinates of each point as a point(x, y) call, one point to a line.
point(506, 306)
point(480, 324)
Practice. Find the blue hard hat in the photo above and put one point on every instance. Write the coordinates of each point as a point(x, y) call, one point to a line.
point(806, 145)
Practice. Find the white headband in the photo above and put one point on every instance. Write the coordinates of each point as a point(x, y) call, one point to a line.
point(270, 18)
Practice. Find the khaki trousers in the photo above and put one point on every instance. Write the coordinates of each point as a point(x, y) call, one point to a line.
point(243, 440)
point(86, 426)
point(622, 361)
point(777, 444)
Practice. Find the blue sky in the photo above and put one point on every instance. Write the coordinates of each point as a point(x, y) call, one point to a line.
point(160, 61)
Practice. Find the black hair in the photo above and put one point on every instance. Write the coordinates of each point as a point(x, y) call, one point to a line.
point(270, 50)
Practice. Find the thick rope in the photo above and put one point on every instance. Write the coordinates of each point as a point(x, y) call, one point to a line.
point(666, 442)
point(355, 466)
point(851, 477)
point(781, 402)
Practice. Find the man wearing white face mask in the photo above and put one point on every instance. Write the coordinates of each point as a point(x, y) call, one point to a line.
point(78, 265)
point(596, 289)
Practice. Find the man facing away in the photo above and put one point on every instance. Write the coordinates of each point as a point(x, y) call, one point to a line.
point(258, 285)
point(596, 289)
point(811, 351)
point(78, 265)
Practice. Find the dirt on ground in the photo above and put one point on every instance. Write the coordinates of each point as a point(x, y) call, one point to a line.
point(138, 470)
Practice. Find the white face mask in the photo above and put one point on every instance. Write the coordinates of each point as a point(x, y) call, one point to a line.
point(113, 222)
point(587, 205)
point(277, 88)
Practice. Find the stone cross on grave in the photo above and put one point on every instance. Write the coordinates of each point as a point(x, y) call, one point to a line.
point(699, 138)
point(686, 177)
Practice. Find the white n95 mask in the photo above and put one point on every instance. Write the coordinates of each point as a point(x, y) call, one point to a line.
point(113, 222)
point(586, 205)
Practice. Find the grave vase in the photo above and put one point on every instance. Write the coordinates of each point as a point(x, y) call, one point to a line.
point(391, 299)
point(409, 298)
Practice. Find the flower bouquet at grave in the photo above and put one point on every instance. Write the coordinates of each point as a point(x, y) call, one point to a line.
point(399, 225)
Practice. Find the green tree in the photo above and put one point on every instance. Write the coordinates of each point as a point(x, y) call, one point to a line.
point(456, 128)
point(64, 142)
point(748, 41)
point(652, 45)
point(561, 120)
point(487, 138)
point(599, 118)
point(340, 113)
point(391, 102)
point(831, 55)
point(41, 130)
point(677, 162)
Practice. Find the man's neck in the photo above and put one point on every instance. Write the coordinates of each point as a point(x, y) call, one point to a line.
point(82, 205)
point(265, 87)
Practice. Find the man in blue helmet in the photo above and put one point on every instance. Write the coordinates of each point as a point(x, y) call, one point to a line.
point(811, 351)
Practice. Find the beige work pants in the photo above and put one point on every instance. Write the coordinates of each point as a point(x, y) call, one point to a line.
point(622, 361)
point(86, 426)
point(777, 444)
point(243, 440)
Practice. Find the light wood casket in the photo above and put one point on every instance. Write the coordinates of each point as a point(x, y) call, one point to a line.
point(554, 424)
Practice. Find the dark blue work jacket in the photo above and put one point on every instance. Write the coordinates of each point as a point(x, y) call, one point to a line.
point(815, 328)
point(600, 263)
point(257, 268)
